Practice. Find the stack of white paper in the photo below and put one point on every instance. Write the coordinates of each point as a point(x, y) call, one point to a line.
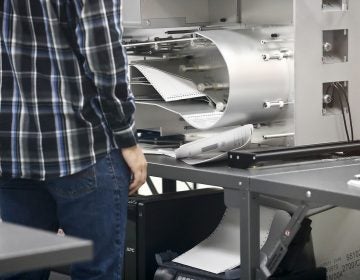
point(221, 250)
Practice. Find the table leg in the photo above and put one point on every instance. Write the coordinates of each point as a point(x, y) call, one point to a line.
point(250, 234)
point(168, 185)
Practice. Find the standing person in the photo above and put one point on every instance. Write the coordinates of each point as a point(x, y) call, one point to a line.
point(68, 154)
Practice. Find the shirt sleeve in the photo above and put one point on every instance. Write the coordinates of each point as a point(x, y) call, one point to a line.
point(99, 36)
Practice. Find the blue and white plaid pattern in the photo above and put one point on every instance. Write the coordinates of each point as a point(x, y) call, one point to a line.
point(64, 95)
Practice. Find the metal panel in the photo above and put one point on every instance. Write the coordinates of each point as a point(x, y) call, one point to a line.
point(131, 13)
point(252, 80)
point(215, 175)
point(164, 13)
point(267, 11)
point(167, 13)
point(227, 12)
point(322, 182)
point(310, 72)
point(176, 9)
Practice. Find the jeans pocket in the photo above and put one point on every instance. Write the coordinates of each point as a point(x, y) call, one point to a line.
point(75, 185)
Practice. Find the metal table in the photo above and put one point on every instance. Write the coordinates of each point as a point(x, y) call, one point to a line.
point(322, 182)
point(23, 249)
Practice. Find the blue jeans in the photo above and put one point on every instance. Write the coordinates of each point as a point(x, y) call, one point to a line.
point(91, 204)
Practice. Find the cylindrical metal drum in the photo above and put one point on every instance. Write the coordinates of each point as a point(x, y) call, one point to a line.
point(239, 76)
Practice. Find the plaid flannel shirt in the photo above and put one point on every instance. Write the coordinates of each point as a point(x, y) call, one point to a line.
point(64, 94)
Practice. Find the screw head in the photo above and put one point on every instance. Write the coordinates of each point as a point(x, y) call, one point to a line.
point(328, 47)
point(327, 99)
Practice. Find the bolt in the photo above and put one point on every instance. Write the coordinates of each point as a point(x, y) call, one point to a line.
point(327, 99)
point(220, 107)
point(328, 47)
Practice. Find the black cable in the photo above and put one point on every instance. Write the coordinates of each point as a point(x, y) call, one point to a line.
point(341, 87)
point(348, 105)
point(342, 111)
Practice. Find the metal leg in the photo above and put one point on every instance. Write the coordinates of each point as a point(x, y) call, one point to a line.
point(168, 185)
point(250, 234)
point(151, 185)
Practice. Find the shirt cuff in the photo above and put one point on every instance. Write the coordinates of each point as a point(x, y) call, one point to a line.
point(126, 138)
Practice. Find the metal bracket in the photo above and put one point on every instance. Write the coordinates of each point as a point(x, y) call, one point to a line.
point(269, 262)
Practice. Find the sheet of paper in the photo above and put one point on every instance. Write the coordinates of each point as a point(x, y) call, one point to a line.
point(175, 88)
point(203, 120)
point(204, 158)
point(221, 250)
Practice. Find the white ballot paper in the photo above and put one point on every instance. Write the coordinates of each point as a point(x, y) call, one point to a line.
point(221, 250)
point(175, 88)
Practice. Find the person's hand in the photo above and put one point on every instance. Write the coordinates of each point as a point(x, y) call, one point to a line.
point(136, 161)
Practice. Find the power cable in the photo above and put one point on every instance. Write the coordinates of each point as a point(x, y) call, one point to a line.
point(342, 90)
point(334, 91)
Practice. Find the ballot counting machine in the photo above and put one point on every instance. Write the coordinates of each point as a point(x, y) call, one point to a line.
point(289, 68)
